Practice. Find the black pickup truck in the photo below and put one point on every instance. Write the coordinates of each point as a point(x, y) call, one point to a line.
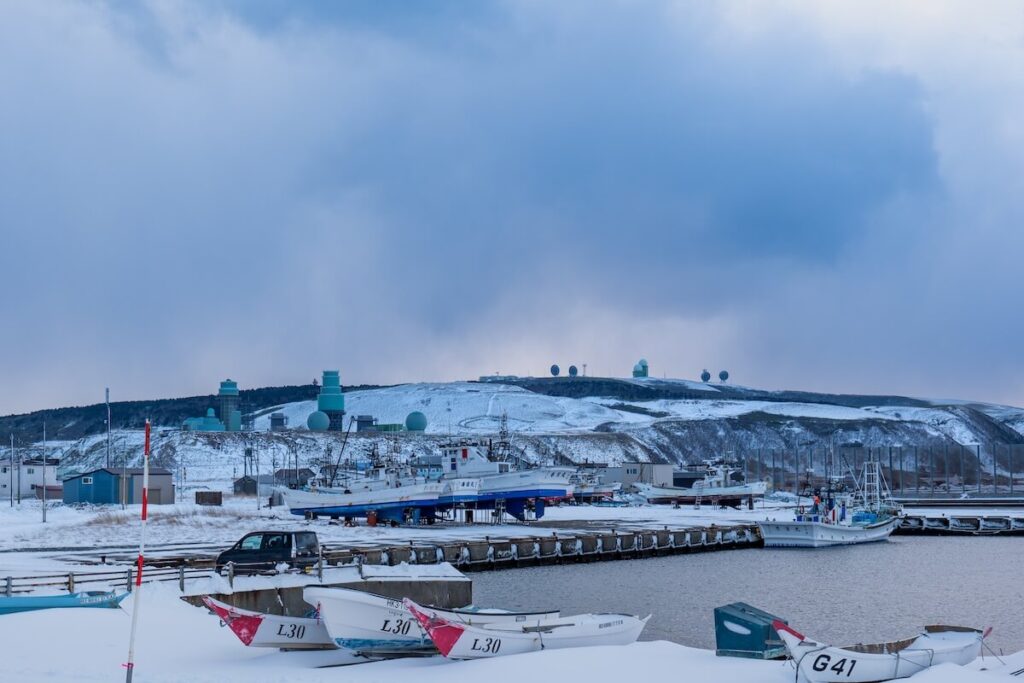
point(265, 550)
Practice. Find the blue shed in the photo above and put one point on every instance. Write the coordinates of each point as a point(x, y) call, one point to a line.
point(103, 486)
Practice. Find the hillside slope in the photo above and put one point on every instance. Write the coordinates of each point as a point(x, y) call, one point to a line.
point(646, 420)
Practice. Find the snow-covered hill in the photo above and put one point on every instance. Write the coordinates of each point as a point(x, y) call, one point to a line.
point(558, 428)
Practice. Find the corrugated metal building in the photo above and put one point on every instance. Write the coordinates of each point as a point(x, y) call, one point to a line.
point(645, 472)
point(103, 486)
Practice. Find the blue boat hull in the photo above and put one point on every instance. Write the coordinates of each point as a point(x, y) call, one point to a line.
point(30, 603)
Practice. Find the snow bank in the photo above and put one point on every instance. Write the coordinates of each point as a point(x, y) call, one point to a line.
point(178, 642)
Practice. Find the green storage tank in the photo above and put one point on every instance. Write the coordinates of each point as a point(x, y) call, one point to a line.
point(416, 421)
point(318, 421)
point(745, 631)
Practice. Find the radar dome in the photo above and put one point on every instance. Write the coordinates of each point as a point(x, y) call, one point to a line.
point(318, 421)
point(705, 376)
point(416, 421)
point(573, 371)
point(723, 375)
point(555, 370)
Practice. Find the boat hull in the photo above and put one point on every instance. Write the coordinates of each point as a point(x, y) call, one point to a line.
point(384, 501)
point(664, 495)
point(30, 603)
point(820, 663)
point(792, 534)
point(465, 641)
point(366, 622)
point(257, 629)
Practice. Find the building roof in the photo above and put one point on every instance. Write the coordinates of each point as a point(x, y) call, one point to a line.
point(263, 478)
point(130, 471)
point(289, 472)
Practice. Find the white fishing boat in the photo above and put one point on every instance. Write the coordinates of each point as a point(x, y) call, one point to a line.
point(590, 487)
point(257, 629)
point(820, 663)
point(501, 484)
point(385, 490)
point(717, 484)
point(866, 517)
point(368, 623)
point(475, 641)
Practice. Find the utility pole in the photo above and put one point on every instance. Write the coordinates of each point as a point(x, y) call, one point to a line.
point(257, 463)
point(11, 463)
point(44, 473)
point(19, 471)
point(108, 427)
point(124, 476)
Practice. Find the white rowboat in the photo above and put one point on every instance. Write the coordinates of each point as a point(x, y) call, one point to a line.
point(366, 622)
point(820, 663)
point(256, 629)
point(471, 641)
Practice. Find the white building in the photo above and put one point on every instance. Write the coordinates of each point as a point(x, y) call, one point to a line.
point(627, 473)
point(27, 477)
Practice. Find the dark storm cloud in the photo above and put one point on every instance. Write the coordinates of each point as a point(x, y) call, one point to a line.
point(262, 189)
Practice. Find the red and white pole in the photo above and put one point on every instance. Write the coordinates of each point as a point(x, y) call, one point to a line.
point(136, 600)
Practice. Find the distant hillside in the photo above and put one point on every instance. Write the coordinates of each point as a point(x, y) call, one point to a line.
point(653, 388)
point(76, 422)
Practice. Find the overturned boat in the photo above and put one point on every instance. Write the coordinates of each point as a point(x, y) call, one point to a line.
point(30, 603)
point(820, 663)
point(475, 641)
point(259, 629)
point(373, 624)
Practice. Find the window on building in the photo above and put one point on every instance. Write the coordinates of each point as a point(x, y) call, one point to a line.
point(86, 481)
point(31, 470)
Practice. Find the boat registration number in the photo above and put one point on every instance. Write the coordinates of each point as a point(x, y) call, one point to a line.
point(842, 666)
point(291, 631)
point(488, 646)
point(399, 627)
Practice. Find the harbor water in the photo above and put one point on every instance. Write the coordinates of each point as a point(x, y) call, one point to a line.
point(868, 593)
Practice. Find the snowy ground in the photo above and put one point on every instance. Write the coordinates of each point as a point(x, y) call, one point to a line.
point(178, 642)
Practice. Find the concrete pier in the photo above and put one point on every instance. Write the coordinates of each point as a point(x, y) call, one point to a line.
point(957, 524)
point(583, 546)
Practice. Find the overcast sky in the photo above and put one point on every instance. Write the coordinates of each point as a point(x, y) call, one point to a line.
point(821, 196)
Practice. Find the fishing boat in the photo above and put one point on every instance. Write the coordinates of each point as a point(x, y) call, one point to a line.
point(475, 641)
point(29, 603)
point(385, 490)
point(716, 484)
point(866, 516)
point(514, 490)
point(589, 487)
point(258, 629)
point(820, 663)
point(371, 623)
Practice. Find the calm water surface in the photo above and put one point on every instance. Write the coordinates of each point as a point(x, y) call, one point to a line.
point(868, 593)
